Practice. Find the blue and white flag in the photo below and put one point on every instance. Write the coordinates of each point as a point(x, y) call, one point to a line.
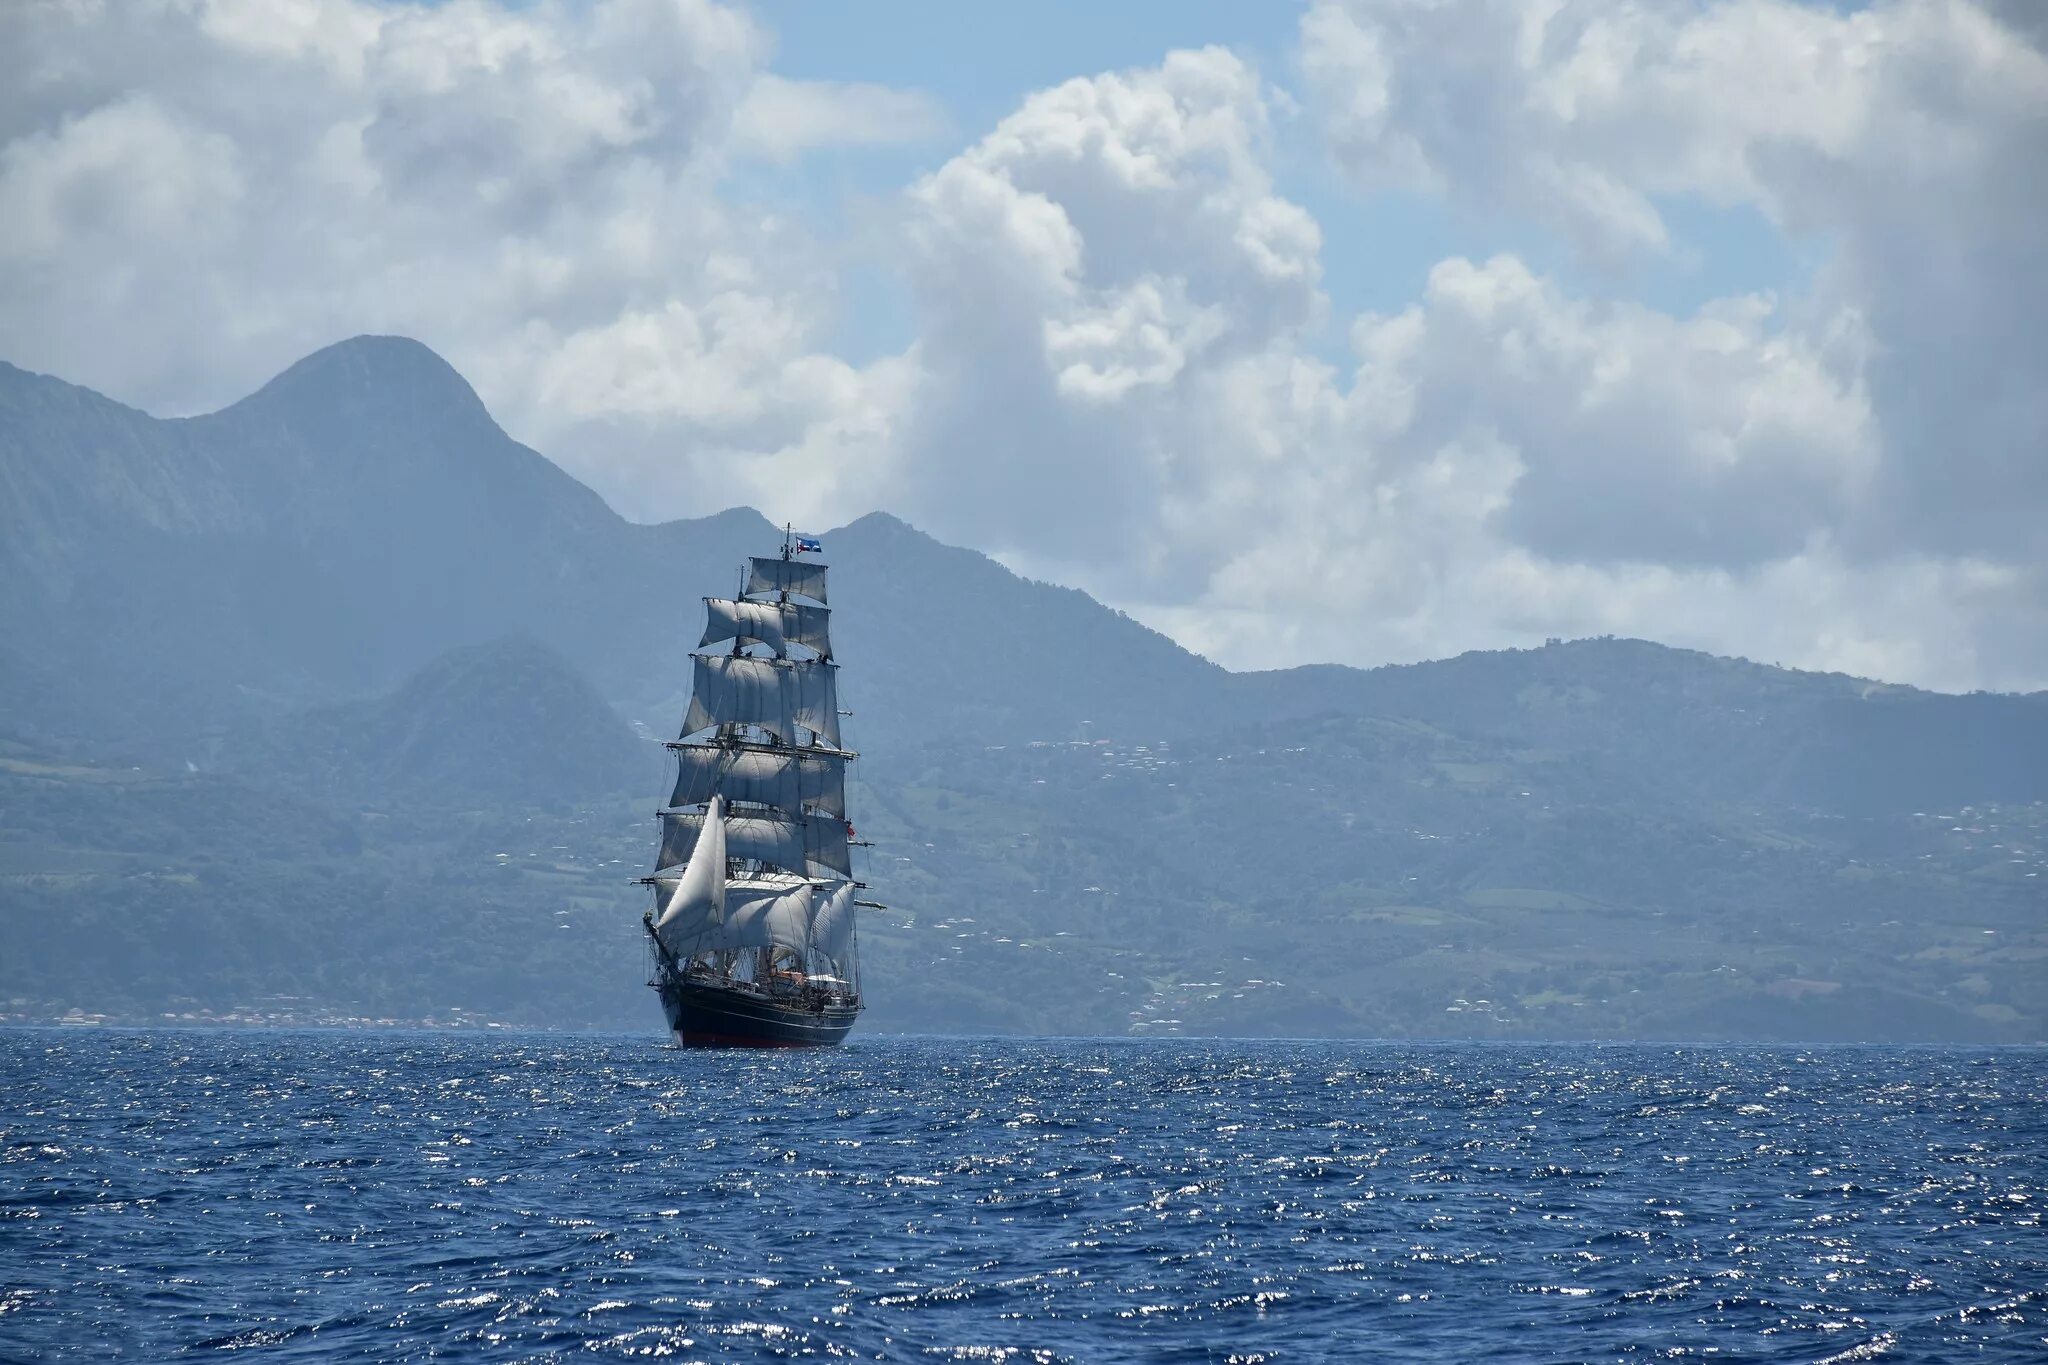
point(809, 545)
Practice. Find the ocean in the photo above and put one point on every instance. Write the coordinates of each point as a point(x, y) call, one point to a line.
point(345, 1196)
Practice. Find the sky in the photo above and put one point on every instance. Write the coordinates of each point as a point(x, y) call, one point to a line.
point(1356, 331)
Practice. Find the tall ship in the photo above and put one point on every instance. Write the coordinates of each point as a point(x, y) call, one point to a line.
point(752, 928)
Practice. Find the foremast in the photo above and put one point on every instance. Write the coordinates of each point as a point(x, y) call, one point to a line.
point(753, 882)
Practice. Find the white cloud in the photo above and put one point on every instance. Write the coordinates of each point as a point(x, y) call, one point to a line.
point(1082, 271)
point(1124, 391)
point(1867, 463)
point(1709, 440)
point(781, 119)
point(77, 183)
point(1143, 334)
point(1903, 139)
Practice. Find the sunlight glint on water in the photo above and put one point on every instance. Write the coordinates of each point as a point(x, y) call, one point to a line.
point(355, 1196)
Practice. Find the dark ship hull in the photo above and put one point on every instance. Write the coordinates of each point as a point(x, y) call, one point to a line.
point(709, 1014)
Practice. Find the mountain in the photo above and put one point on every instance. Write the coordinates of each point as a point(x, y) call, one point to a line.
point(1728, 729)
point(358, 515)
point(508, 723)
point(945, 644)
point(342, 695)
point(362, 513)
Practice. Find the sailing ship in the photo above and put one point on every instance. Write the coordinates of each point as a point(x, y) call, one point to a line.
point(752, 928)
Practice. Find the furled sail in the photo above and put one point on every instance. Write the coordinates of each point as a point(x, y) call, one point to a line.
point(775, 694)
point(776, 841)
point(786, 575)
point(697, 902)
point(832, 926)
point(784, 779)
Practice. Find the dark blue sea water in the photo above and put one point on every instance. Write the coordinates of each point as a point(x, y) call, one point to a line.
point(366, 1196)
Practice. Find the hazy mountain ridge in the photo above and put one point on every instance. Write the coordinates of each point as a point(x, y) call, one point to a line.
point(361, 514)
point(509, 723)
point(1727, 728)
point(352, 596)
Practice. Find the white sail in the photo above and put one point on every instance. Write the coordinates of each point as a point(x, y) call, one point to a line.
point(697, 902)
point(774, 624)
point(815, 699)
point(725, 619)
point(804, 624)
point(775, 694)
point(825, 846)
point(786, 575)
point(821, 781)
point(832, 926)
point(761, 776)
point(785, 779)
point(764, 917)
point(770, 839)
point(736, 691)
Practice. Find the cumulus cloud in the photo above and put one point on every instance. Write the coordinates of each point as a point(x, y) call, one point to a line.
point(1903, 139)
point(1710, 440)
point(1125, 392)
point(1081, 272)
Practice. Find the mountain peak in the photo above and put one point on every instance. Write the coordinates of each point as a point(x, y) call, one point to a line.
point(368, 375)
point(886, 529)
point(375, 356)
point(742, 520)
point(881, 521)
